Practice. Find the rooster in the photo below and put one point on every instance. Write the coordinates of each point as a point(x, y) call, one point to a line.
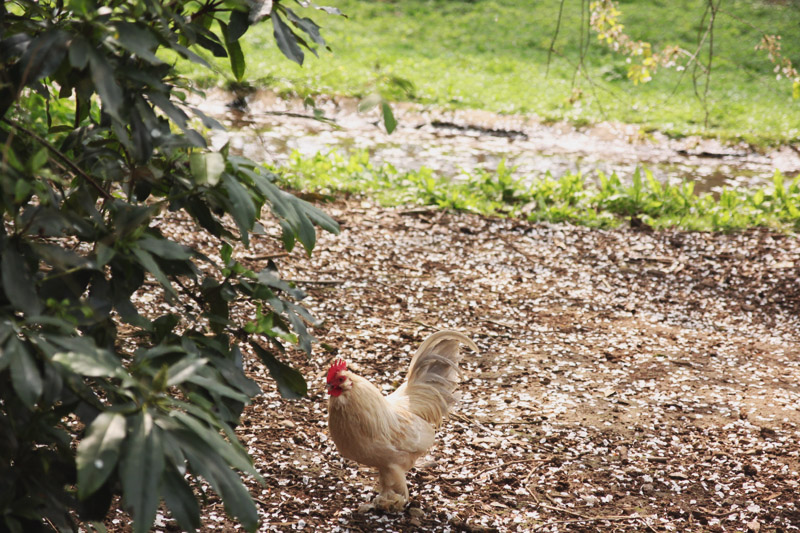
point(390, 432)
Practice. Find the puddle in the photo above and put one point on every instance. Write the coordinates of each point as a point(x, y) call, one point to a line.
point(270, 128)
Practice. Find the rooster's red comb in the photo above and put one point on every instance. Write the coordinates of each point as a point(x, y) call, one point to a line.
point(337, 366)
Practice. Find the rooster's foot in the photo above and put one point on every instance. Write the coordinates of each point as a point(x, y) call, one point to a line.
point(364, 508)
point(390, 501)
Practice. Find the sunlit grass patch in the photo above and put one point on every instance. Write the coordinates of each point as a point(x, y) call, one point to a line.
point(493, 55)
point(607, 202)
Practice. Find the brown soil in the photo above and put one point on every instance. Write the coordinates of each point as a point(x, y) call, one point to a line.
point(627, 380)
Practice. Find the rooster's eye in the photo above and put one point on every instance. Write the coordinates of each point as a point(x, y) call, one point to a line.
point(341, 379)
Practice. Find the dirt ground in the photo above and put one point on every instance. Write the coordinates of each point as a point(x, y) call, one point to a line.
point(627, 380)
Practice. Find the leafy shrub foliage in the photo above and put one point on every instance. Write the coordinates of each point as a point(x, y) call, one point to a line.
point(97, 141)
point(573, 198)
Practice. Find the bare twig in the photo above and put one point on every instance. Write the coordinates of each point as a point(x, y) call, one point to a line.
point(708, 34)
point(330, 121)
point(502, 325)
point(424, 325)
point(316, 281)
point(710, 56)
point(714, 513)
point(643, 521)
point(516, 249)
point(472, 463)
point(407, 267)
point(507, 463)
point(555, 36)
point(418, 211)
point(258, 257)
point(562, 510)
point(589, 519)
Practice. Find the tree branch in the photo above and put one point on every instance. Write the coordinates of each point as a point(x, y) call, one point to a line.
point(66, 160)
point(555, 36)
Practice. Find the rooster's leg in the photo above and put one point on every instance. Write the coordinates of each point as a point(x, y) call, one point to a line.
point(393, 489)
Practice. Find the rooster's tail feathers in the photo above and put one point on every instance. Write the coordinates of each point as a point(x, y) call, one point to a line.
point(434, 374)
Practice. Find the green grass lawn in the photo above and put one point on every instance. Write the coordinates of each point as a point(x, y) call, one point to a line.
point(492, 54)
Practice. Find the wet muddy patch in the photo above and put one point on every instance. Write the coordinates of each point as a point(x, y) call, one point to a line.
point(266, 127)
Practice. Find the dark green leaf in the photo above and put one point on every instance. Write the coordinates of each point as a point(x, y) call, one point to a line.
point(149, 264)
point(95, 363)
point(25, 376)
point(184, 369)
point(207, 121)
point(23, 188)
point(104, 254)
point(210, 43)
point(141, 469)
point(171, 110)
point(141, 136)
point(18, 283)
point(237, 59)
point(65, 327)
point(290, 382)
point(304, 229)
point(230, 368)
point(98, 451)
point(166, 248)
point(233, 452)
point(47, 222)
point(43, 56)
point(294, 212)
point(160, 380)
point(14, 45)
point(320, 217)
point(226, 252)
point(307, 25)
point(52, 386)
point(234, 53)
point(237, 25)
point(388, 117)
point(159, 351)
point(181, 500)
point(215, 386)
point(288, 235)
point(106, 84)
point(6, 329)
point(60, 257)
point(138, 40)
point(163, 326)
point(269, 278)
point(304, 338)
point(242, 208)
point(218, 307)
point(188, 54)
point(286, 39)
point(205, 462)
point(37, 162)
point(66, 286)
point(205, 218)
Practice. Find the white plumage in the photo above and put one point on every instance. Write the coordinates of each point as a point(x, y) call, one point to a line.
point(390, 432)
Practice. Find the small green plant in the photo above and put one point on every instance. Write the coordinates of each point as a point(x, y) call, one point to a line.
point(607, 202)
